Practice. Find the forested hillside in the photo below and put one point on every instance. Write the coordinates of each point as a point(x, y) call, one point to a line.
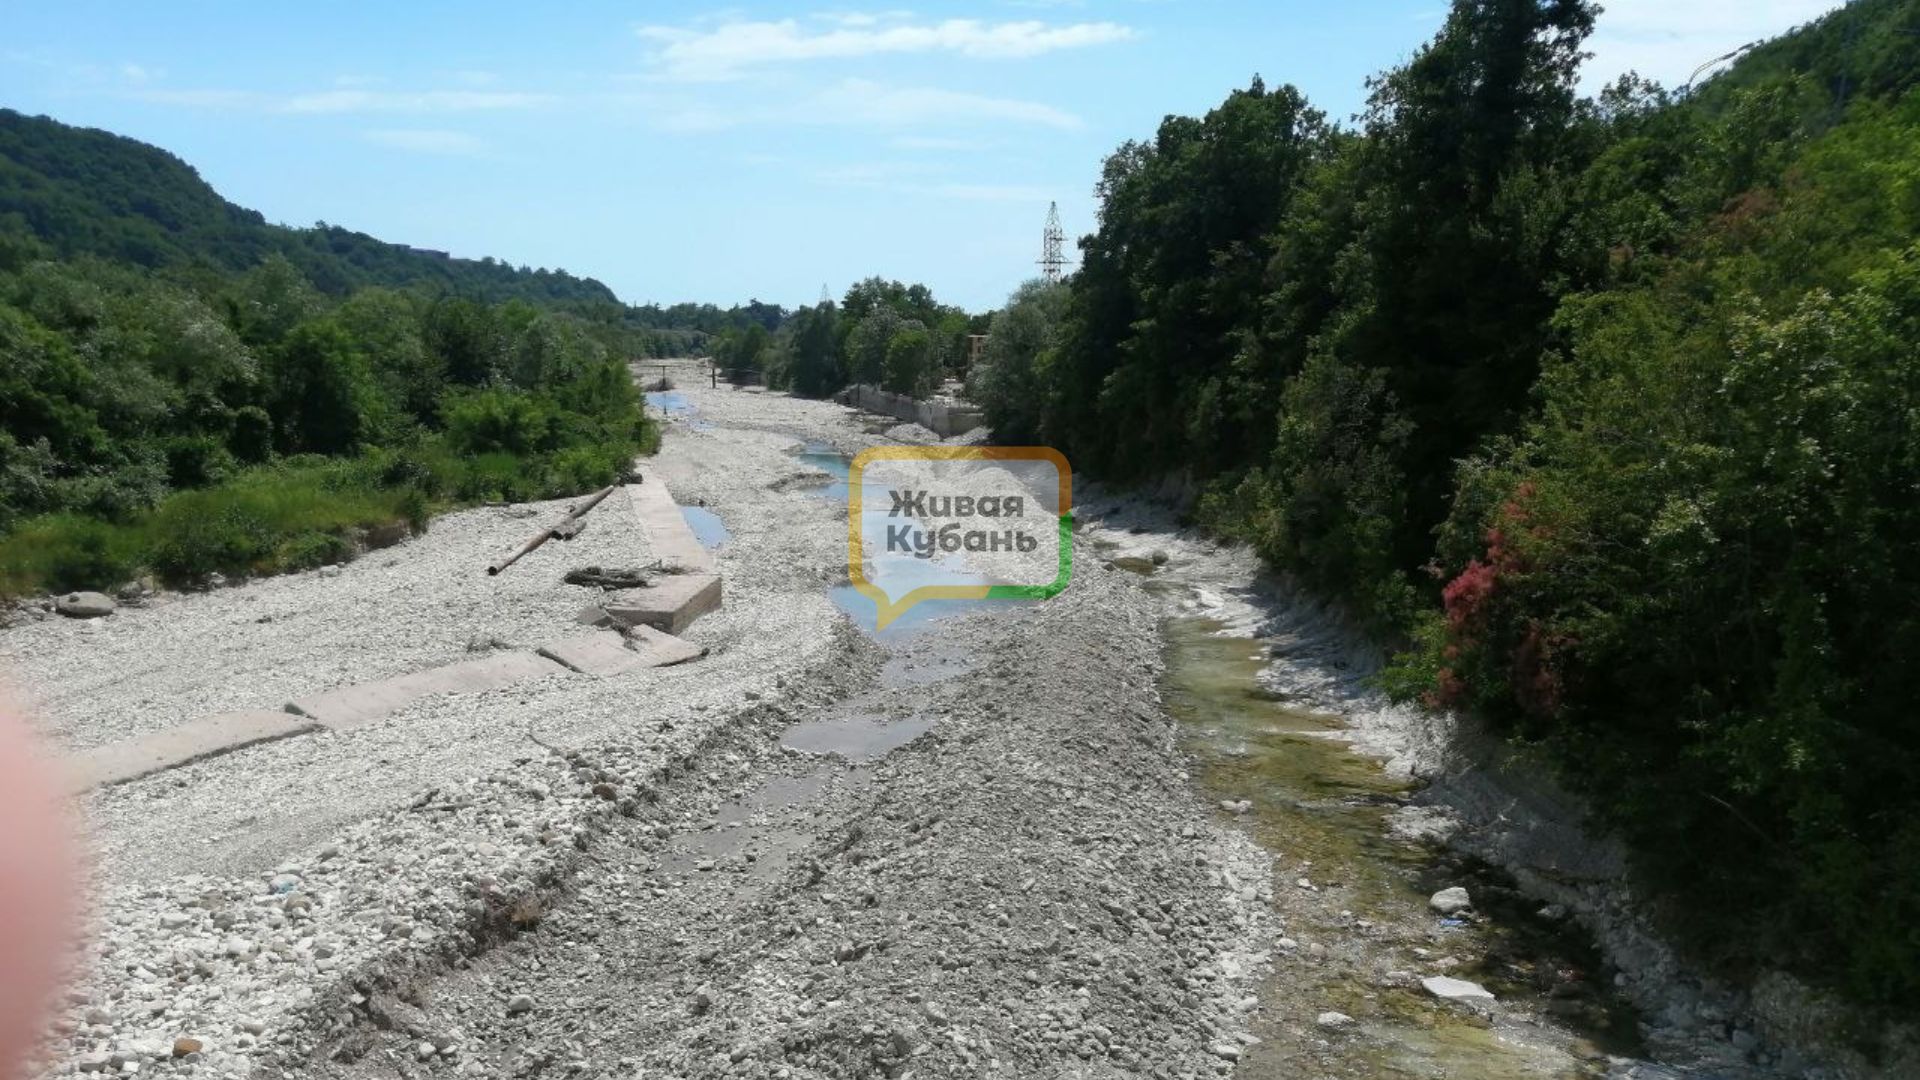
point(87, 192)
point(1602, 410)
point(186, 390)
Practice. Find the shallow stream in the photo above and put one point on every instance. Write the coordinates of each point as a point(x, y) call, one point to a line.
point(1353, 901)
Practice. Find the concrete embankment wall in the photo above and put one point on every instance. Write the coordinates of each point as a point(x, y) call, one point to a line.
point(944, 418)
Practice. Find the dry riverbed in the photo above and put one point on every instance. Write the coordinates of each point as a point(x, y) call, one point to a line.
point(1103, 835)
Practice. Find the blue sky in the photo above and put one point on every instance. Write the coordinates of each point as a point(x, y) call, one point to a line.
point(691, 152)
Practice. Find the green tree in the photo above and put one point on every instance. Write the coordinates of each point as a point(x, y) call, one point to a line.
point(815, 368)
point(1012, 382)
point(909, 365)
point(320, 392)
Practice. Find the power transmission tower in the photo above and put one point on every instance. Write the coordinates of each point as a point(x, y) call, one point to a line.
point(1053, 260)
point(825, 296)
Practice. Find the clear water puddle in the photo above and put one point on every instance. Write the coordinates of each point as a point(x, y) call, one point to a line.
point(1322, 810)
point(706, 525)
point(836, 465)
point(670, 402)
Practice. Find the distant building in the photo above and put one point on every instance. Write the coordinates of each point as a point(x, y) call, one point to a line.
point(976, 348)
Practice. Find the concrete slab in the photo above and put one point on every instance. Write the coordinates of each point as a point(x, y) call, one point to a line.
point(607, 652)
point(669, 536)
point(363, 703)
point(603, 652)
point(662, 649)
point(206, 737)
point(670, 604)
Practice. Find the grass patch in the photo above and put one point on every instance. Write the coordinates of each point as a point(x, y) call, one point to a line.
point(294, 514)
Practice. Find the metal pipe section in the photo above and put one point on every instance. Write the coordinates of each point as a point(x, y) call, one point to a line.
point(549, 533)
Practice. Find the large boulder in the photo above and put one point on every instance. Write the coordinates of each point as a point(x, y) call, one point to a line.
point(1450, 901)
point(85, 605)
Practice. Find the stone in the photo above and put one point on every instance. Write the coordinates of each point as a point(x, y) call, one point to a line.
point(519, 1003)
point(1448, 988)
point(1333, 1020)
point(184, 1046)
point(85, 605)
point(1450, 901)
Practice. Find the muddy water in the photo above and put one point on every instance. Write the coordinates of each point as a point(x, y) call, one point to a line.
point(1353, 901)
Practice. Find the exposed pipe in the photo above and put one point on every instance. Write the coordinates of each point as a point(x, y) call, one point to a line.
point(549, 533)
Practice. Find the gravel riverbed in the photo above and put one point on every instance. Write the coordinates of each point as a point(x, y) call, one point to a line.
point(978, 849)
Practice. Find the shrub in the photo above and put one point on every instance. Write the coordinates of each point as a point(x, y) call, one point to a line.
point(63, 552)
point(307, 550)
point(501, 421)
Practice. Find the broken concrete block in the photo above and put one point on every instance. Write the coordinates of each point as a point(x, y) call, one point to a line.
point(363, 703)
point(662, 649)
point(670, 605)
point(668, 535)
point(173, 747)
point(607, 652)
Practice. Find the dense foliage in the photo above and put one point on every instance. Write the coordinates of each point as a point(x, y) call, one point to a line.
point(1604, 407)
point(885, 334)
point(253, 423)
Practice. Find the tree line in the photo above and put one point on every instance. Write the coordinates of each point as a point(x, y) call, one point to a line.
point(182, 424)
point(1599, 411)
point(882, 333)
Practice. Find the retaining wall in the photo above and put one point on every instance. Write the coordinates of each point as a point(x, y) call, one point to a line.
point(943, 418)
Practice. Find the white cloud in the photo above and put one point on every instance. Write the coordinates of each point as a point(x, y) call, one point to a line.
point(423, 101)
point(849, 103)
point(877, 173)
point(732, 48)
point(1666, 41)
point(937, 142)
point(864, 103)
point(202, 99)
point(456, 143)
point(925, 179)
point(348, 100)
point(1028, 193)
